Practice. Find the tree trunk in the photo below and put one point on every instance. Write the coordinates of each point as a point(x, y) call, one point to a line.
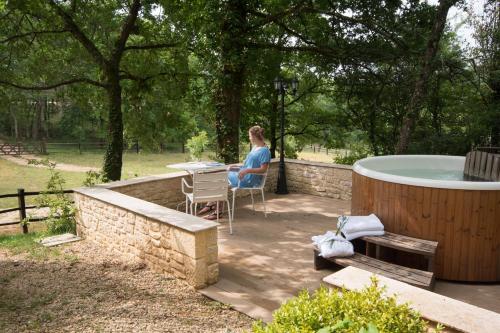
point(420, 90)
point(495, 125)
point(113, 157)
point(35, 129)
point(372, 130)
point(273, 116)
point(230, 82)
point(14, 123)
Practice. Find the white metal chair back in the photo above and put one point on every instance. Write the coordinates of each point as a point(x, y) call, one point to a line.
point(210, 186)
point(260, 188)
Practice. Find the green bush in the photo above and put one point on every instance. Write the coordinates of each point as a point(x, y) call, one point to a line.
point(197, 144)
point(61, 216)
point(358, 152)
point(94, 177)
point(366, 311)
point(291, 147)
point(349, 159)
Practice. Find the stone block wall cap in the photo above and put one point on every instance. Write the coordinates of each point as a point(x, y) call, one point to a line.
point(311, 163)
point(147, 209)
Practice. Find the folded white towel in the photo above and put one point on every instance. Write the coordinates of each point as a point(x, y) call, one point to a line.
point(331, 245)
point(361, 223)
point(354, 235)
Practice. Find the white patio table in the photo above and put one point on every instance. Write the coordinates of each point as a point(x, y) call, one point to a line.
point(192, 167)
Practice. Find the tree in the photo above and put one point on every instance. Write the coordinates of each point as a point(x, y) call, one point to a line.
point(419, 93)
point(487, 67)
point(121, 31)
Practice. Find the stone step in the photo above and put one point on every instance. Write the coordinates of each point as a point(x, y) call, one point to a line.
point(454, 314)
point(239, 298)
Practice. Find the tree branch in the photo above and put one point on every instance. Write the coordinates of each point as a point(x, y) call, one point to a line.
point(31, 33)
point(127, 27)
point(366, 23)
point(129, 76)
point(268, 18)
point(150, 47)
point(73, 28)
point(54, 85)
point(304, 93)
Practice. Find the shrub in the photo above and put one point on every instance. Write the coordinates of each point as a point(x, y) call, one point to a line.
point(349, 311)
point(291, 147)
point(61, 216)
point(94, 177)
point(197, 144)
point(349, 159)
point(358, 152)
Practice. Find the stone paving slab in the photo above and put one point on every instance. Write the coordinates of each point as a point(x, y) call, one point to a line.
point(59, 239)
point(454, 314)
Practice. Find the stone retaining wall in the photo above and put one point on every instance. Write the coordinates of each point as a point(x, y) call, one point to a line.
point(314, 178)
point(166, 240)
point(164, 190)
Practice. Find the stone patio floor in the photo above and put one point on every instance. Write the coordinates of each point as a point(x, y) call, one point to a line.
point(269, 260)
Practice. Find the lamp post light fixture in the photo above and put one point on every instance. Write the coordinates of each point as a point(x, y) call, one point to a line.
point(282, 86)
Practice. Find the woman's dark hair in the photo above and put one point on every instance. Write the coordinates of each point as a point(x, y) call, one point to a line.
point(257, 132)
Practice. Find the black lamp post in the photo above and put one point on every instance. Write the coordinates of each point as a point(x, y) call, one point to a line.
point(282, 87)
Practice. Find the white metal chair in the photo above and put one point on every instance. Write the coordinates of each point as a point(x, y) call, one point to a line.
point(207, 187)
point(260, 187)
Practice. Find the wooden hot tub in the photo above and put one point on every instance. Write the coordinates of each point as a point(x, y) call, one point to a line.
point(463, 216)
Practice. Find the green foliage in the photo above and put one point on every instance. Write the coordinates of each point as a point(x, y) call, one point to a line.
point(196, 145)
point(357, 151)
point(292, 147)
point(350, 157)
point(366, 311)
point(94, 177)
point(61, 216)
point(215, 73)
point(30, 244)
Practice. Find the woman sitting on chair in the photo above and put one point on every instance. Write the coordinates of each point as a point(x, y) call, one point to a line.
point(250, 173)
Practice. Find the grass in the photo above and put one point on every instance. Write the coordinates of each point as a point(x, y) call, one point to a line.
point(316, 157)
point(134, 165)
point(14, 176)
point(28, 243)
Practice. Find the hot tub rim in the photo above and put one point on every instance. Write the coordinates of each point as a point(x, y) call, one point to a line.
point(359, 168)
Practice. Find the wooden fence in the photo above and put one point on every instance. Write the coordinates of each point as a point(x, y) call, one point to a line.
point(20, 148)
point(21, 196)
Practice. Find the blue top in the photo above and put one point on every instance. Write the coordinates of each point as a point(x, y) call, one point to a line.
point(255, 159)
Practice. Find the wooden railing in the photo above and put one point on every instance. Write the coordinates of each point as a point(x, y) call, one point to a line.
point(21, 199)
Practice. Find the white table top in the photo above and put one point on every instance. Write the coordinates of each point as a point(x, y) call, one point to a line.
point(195, 166)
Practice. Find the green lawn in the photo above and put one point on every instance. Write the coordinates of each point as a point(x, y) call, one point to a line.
point(13, 176)
point(134, 165)
point(28, 243)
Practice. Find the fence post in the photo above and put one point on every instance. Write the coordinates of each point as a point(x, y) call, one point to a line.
point(137, 146)
point(79, 147)
point(22, 209)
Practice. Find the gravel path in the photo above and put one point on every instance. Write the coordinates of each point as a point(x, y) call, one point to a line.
point(80, 289)
point(24, 159)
